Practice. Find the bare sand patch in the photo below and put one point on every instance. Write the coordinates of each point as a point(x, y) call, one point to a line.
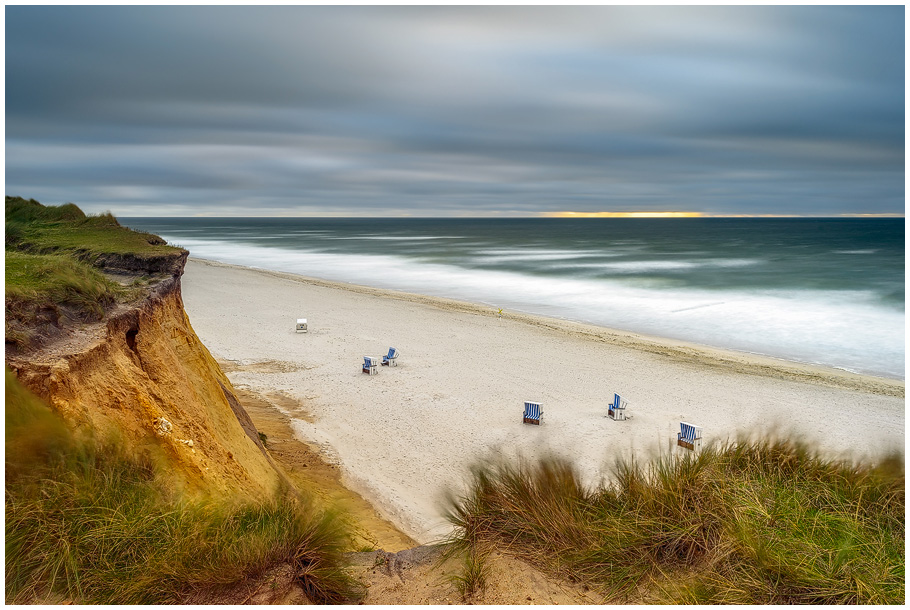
point(306, 468)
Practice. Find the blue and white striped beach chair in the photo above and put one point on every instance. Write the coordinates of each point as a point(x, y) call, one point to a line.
point(369, 364)
point(617, 410)
point(389, 359)
point(689, 436)
point(532, 413)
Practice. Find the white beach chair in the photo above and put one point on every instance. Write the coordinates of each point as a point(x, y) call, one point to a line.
point(389, 359)
point(617, 410)
point(532, 413)
point(369, 364)
point(689, 437)
point(301, 325)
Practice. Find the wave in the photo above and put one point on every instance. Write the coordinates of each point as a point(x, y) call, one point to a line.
point(646, 266)
point(398, 237)
point(850, 329)
point(503, 255)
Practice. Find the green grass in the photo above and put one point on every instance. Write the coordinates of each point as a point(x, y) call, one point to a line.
point(475, 570)
point(52, 258)
point(766, 521)
point(37, 281)
point(41, 229)
point(91, 523)
point(91, 237)
point(27, 211)
point(46, 229)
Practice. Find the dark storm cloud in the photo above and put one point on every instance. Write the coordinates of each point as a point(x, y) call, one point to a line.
point(456, 110)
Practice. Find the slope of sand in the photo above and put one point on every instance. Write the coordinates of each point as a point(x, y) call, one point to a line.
point(405, 436)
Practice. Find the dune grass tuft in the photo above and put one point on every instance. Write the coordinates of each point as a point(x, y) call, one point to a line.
point(22, 210)
point(34, 281)
point(753, 521)
point(90, 523)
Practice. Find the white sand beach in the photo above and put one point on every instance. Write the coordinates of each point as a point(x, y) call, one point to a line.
point(405, 435)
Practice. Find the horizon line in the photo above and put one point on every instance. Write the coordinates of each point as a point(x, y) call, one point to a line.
point(686, 214)
point(554, 215)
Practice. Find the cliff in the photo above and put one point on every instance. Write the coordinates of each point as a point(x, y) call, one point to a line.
point(141, 373)
point(96, 329)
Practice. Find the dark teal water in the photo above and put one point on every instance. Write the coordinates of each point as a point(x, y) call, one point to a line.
point(827, 291)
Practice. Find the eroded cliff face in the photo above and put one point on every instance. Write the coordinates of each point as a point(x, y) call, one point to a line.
point(143, 375)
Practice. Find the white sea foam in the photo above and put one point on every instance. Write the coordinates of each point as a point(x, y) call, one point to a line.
point(846, 329)
point(258, 237)
point(661, 265)
point(504, 255)
point(398, 237)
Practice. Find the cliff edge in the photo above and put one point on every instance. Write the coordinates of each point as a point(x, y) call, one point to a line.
point(135, 369)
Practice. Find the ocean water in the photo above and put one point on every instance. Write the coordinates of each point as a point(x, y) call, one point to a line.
point(825, 291)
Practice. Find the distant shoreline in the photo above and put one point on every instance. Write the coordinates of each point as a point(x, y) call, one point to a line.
point(829, 293)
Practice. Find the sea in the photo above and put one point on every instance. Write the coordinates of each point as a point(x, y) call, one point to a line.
point(823, 291)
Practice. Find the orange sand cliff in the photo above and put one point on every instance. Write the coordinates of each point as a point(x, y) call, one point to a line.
point(144, 375)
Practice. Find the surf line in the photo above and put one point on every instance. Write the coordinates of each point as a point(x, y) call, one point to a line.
point(697, 307)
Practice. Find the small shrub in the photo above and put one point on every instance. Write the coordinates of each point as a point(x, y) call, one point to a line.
point(104, 219)
point(26, 211)
point(475, 572)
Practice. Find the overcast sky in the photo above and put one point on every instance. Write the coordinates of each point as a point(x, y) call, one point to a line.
point(464, 111)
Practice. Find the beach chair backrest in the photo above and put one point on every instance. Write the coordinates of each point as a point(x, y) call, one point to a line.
point(688, 431)
point(532, 410)
point(393, 353)
point(367, 362)
point(616, 399)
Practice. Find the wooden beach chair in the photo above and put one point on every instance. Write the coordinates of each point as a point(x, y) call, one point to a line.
point(689, 437)
point(301, 325)
point(532, 413)
point(369, 364)
point(389, 359)
point(617, 410)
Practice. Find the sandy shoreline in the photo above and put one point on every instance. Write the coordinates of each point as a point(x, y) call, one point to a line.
point(405, 435)
point(273, 415)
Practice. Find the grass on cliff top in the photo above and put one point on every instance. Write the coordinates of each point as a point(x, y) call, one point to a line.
point(25, 211)
point(43, 229)
point(36, 281)
point(90, 523)
point(765, 521)
point(51, 253)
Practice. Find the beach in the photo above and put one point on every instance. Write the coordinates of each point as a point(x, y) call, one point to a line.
point(406, 436)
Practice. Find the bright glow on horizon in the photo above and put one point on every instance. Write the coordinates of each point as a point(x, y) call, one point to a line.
point(623, 214)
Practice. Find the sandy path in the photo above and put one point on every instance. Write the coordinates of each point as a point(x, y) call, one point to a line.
point(405, 435)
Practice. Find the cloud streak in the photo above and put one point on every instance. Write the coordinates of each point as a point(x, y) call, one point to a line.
point(457, 110)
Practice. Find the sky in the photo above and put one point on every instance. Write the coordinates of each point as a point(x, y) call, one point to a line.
point(457, 111)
